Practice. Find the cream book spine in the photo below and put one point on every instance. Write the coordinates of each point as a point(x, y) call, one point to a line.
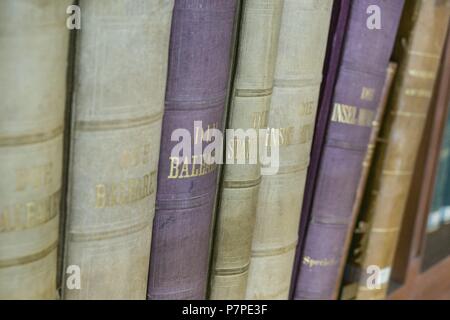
point(34, 44)
point(298, 76)
point(250, 101)
point(119, 84)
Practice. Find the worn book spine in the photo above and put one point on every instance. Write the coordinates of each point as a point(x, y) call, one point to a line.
point(298, 76)
point(349, 285)
point(420, 51)
point(34, 44)
point(251, 96)
point(120, 76)
point(200, 52)
point(220, 167)
point(338, 27)
point(356, 98)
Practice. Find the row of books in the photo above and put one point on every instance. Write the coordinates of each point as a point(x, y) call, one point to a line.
point(104, 194)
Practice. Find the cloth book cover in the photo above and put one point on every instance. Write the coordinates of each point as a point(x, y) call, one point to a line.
point(250, 101)
point(197, 87)
point(34, 46)
point(120, 72)
point(356, 98)
point(293, 109)
point(419, 48)
point(338, 27)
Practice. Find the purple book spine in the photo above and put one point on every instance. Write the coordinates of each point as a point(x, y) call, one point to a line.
point(356, 96)
point(338, 26)
point(199, 66)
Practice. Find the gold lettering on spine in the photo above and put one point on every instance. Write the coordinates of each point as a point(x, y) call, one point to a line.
point(307, 108)
point(34, 178)
point(343, 113)
point(239, 147)
point(259, 119)
point(184, 170)
point(310, 262)
point(418, 93)
point(306, 133)
point(135, 157)
point(365, 118)
point(286, 135)
point(173, 167)
point(422, 74)
point(201, 135)
point(346, 114)
point(367, 94)
point(30, 214)
point(124, 192)
point(100, 192)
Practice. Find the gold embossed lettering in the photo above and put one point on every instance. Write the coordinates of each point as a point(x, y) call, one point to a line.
point(422, 74)
point(307, 108)
point(365, 117)
point(343, 113)
point(184, 169)
point(352, 115)
point(173, 167)
point(306, 133)
point(124, 192)
point(367, 94)
point(310, 262)
point(22, 216)
point(419, 93)
point(259, 119)
point(100, 196)
point(34, 177)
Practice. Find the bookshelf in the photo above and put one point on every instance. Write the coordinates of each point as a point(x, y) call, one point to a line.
point(416, 274)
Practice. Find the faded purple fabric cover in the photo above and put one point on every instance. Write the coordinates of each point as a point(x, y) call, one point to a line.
point(199, 67)
point(338, 26)
point(364, 62)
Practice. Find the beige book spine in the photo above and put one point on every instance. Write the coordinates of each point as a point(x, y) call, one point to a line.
point(298, 75)
point(349, 286)
point(400, 138)
point(253, 85)
point(33, 62)
point(120, 76)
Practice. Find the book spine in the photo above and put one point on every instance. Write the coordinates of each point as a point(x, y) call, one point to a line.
point(376, 126)
point(338, 27)
point(349, 281)
point(118, 99)
point(298, 76)
point(356, 98)
point(220, 168)
point(34, 44)
point(400, 140)
point(200, 52)
point(253, 86)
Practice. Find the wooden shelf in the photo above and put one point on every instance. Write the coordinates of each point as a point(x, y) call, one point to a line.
point(433, 284)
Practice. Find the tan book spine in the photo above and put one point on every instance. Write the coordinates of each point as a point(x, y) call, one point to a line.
point(33, 62)
point(298, 75)
point(349, 289)
point(119, 86)
point(253, 86)
point(400, 138)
